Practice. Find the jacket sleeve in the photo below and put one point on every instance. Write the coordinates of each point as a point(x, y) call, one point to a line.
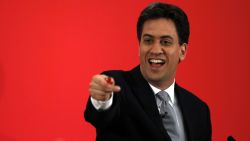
point(104, 118)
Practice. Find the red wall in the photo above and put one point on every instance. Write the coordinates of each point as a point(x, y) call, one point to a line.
point(49, 51)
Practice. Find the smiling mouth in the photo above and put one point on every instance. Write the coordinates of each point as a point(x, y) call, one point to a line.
point(158, 62)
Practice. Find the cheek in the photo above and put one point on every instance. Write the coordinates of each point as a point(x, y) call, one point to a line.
point(175, 53)
point(173, 57)
point(142, 53)
point(143, 57)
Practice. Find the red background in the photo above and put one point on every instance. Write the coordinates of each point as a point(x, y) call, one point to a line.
point(49, 51)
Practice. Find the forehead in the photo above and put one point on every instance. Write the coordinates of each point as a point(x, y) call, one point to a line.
point(160, 27)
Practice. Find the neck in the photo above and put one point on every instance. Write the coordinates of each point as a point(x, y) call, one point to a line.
point(162, 85)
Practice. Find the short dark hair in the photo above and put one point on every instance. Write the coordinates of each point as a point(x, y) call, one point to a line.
point(167, 11)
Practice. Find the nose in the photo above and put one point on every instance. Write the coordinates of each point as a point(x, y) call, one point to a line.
point(156, 49)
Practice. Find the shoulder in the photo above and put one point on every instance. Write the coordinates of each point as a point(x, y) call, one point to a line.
point(123, 74)
point(187, 96)
point(118, 75)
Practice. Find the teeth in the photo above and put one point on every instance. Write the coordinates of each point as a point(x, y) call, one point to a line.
point(156, 61)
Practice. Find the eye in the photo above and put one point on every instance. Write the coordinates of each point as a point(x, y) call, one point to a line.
point(148, 41)
point(165, 42)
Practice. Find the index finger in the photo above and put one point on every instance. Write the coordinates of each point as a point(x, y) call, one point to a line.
point(103, 81)
point(109, 80)
point(107, 83)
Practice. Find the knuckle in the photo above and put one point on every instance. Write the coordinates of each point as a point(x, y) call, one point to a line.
point(91, 84)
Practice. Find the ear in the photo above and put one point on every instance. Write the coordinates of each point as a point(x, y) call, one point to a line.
point(182, 52)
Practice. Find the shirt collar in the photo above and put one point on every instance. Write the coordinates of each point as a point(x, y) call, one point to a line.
point(169, 90)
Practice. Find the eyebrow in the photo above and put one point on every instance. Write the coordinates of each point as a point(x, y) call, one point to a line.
point(148, 35)
point(162, 37)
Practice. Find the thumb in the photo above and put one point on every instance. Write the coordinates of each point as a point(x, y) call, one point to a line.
point(116, 88)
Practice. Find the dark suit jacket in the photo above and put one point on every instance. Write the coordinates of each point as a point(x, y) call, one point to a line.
point(134, 116)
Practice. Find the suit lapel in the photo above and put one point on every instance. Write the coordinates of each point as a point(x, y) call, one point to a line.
point(186, 108)
point(145, 96)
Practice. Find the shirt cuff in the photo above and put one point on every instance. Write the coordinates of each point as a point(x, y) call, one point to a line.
point(102, 105)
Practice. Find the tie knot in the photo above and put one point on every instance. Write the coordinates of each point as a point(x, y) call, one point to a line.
point(162, 95)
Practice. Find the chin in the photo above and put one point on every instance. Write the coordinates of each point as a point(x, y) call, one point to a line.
point(154, 78)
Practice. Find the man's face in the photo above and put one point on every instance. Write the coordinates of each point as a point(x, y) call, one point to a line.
point(160, 52)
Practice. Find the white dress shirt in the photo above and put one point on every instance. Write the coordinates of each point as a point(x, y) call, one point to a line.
point(104, 105)
point(169, 90)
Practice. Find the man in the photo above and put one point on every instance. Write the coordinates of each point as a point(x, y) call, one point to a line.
point(146, 103)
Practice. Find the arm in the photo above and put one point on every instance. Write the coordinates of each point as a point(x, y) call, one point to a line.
point(102, 105)
point(101, 92)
